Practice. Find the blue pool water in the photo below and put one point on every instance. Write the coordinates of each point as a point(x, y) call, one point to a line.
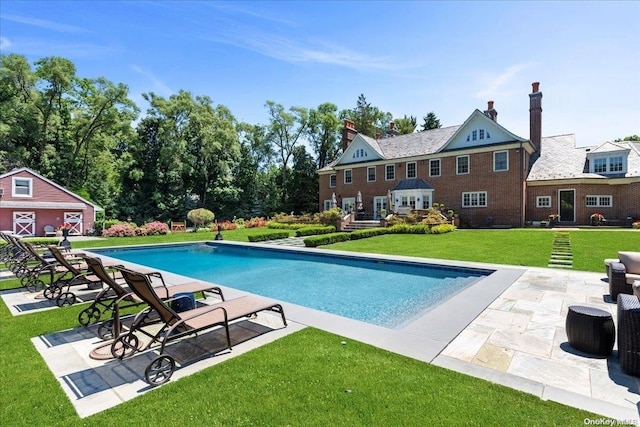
point(381, 292)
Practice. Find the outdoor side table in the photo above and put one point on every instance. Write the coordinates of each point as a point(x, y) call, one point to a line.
point(590, 330)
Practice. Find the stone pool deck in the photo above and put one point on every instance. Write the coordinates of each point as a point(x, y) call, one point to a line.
point(507, 329)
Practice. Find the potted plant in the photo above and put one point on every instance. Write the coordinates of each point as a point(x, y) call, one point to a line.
point(596, 218)
point(553, 219)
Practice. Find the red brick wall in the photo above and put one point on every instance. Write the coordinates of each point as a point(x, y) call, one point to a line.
point(503, 188)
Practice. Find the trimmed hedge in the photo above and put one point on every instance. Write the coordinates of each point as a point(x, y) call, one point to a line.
point(312, 231)
point(369, 232)
point(268, 236)
point(290, 226)
point(326, 239)
point(409, 229)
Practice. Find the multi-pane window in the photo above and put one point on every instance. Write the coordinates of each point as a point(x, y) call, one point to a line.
point(22, 187)
point(615, 164)
point(600, 165)
point(500, 161)
point(474, 135)
point(481, 133)
point(599, 201)
point(434, 167)
point(474, 199)
point(543, 202)
point(332, 180)
point(347, 176)
point(408, 201)
point(390, 174)
point(371, 174)
point(462, 165)
point(411, 170)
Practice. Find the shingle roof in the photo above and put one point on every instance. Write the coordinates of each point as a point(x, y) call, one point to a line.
point(412, 184)
point(561, 159)
point(415, 144)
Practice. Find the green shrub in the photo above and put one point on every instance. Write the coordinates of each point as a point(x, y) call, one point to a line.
point(330, 216)
point(326, 239)
point(442, 228)
point(409, 229)
point(369, 232)
point(274, 235)
point(311, 231)
point(201, 217)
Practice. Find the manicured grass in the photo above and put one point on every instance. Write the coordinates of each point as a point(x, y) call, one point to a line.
point(308, 378)
point(305, 379)
point(524, 247)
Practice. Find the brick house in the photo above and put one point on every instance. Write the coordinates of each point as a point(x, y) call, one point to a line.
point(485, 173)
point(29, 202)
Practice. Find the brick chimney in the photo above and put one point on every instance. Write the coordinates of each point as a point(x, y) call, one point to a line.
point(348, 133)
point(535, 116)
point(491, 112)
point(392, 129)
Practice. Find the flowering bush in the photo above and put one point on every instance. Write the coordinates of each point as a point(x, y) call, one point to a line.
point(128, 229)
point(120, 230)
point(65, 226)
point(255, 222)
point(224, 225)
point(596, 218)
point(156, 227)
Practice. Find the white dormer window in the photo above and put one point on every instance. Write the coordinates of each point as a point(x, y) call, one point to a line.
point(605, 165)
point(22, 187)
point(474, 135)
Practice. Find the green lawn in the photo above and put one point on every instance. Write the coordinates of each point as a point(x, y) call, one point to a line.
point(308, 378)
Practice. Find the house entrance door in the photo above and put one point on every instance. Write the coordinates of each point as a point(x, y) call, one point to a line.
point(567, 203)
point(380, 203)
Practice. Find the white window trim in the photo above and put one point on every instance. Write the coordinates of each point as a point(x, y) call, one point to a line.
point(335, 180)
point(607, 161)
point(478, 193)
point(13, 186)
point(539, 198)
point(439, 166)
point(494, 161)
point(407, 170)
point(599, 198)
point(344, 177)
point(468, 165)
point(374, 174)
point(386, 175)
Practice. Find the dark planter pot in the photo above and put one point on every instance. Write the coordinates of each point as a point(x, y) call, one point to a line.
point(65, 233)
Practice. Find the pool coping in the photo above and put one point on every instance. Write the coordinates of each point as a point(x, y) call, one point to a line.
point(433, 329)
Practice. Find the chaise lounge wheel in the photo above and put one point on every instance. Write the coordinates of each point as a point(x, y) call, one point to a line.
point(35, 285)
point(89, 316)
point(65, 299)
point(160, 370)
point(124, 346)
point(52, 292)
point(105, 331)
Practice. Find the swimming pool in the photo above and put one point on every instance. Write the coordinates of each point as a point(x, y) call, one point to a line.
point(382, 292)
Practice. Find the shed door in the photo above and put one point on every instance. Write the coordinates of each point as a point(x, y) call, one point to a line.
point(75, 220)
point(24, 223)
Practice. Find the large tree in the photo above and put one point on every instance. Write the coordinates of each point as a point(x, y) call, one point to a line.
point(431, 121)
point(324, 133)
point(368, 119)
point(303, 185)
point(405, 125)
point(284, 131)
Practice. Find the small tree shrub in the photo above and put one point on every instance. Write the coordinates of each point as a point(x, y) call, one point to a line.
point(326, 239)
point(290, 226)
point(311, 231)
point(442, 228)
point(201, 217)
point(239, 222)
point(274, 235)
point(255, 222)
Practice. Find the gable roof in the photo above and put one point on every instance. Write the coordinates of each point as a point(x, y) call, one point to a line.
point(478, 118)
point(61, 188)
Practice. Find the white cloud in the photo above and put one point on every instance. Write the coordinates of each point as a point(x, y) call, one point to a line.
point(41, 23)
point(288, 50)
point(158, 86)
point(5, 43)
point(497, 85)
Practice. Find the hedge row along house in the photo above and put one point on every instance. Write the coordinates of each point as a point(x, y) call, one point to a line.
point(32, 205)
point(485, 173)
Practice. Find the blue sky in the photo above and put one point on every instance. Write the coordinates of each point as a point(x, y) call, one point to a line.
point(406, 57)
